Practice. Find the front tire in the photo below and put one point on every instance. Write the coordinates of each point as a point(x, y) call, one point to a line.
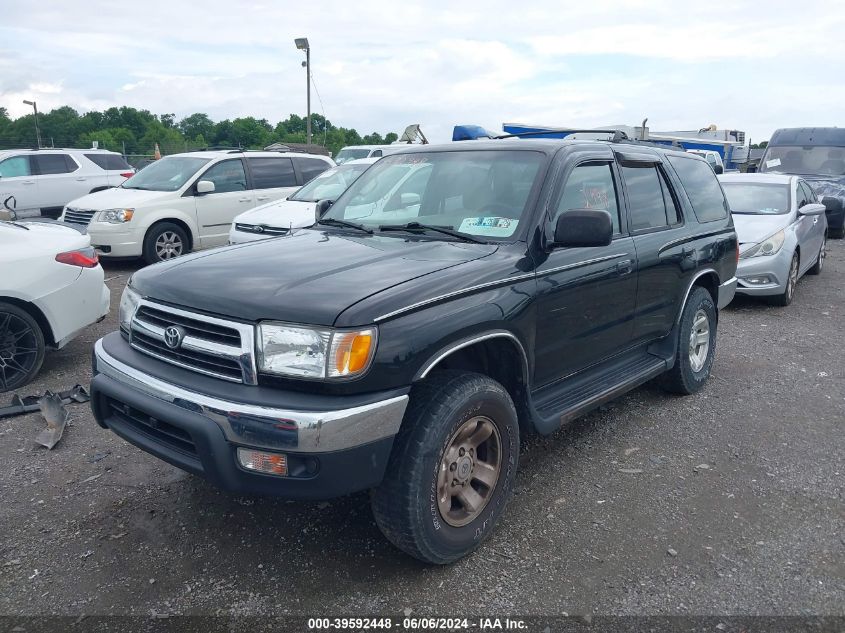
point(696, 344)
point(21, 347)
point(788, 294)
point(452, 468)
point(165, 241)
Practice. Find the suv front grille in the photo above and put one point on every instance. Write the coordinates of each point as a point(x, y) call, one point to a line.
point(207, 345)
point(261, 229)
point(79, 216)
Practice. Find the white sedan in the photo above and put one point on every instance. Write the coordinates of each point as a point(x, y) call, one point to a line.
point(51, 289)
point(297, 210)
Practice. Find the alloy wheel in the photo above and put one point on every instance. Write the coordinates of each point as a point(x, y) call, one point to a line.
point(792, 281)
point(168, 245)
point(469, 471)
point(18, 349)
point(699, 341)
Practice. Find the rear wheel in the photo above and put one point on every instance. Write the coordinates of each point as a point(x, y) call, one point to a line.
point(816, 269)
point(21, 347)
point(696, 344)
point(788, 294)
point(452, 467)
point(164, 241)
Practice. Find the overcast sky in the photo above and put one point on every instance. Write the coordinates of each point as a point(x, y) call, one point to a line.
point(382, 64)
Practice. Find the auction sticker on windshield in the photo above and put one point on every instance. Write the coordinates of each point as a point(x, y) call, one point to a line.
point(489, 226)
point(775, 162)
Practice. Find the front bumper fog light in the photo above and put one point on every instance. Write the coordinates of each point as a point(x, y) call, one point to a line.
point(757, 281)
point(263, 461)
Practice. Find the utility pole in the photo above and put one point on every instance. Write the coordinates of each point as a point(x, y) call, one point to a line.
point(37, 132)
point(302, 44)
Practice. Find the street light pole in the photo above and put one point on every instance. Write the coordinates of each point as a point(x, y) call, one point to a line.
point(37, 132)
point(302, 44)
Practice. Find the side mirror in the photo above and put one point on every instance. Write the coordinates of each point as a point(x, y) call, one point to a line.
point(718, 169)
point(322, 207)
point(408, 199)
point(814, 208)
point(204, 187)
point(583, 227)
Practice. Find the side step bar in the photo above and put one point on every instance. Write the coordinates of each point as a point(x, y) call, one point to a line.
point(561, 403)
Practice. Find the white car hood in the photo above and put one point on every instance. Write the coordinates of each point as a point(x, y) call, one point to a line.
point(752, 229)
point(281, 213)
point(118, 198)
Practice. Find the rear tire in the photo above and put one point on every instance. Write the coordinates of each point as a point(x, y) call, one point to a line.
point(788, 295)
point(21, 347)
point(452, 467)
point(696, 344)
point(816, 268)
point(165, 241)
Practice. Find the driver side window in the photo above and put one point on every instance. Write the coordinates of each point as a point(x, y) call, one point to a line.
point(227, 175)
point(589, 186)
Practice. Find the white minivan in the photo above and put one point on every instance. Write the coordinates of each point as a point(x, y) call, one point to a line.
point(186, 202)
point(42, 181)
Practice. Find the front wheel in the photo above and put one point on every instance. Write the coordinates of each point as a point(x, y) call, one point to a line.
point(785, 298)
point(164, 241)
point(452, 468)
point(696, 344)
point(21, 347)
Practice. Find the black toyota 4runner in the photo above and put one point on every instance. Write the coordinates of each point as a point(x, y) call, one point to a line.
point(454, 299)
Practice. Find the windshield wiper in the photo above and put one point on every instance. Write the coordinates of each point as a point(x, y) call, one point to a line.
point(416, 226)
point(13, 223)
point(344, 223)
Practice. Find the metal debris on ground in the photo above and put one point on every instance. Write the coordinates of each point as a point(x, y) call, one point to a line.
point(56, 416)
point(28, 404)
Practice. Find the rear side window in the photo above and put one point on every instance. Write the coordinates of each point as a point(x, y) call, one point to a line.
point(15, 166)
point(310, 168)
point(50, 164)
point(109, 162)
point(646, 199)
point(269, 173)
point(702, 187)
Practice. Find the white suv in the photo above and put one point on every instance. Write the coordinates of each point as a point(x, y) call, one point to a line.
point(42, 181)
point(185, 202)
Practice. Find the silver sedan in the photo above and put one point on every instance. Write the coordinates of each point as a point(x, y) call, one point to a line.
point(782, 230)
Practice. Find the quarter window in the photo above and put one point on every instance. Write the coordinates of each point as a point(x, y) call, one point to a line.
point(270, 173)
point(590, 186)
point(227, 176)
point(310, 168)
point(109, 162)
point(703, 190)
point(15, 167)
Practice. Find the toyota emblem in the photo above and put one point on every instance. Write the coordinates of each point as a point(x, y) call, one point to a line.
point(173, 336)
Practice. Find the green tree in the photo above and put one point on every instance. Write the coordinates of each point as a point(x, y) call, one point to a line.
point(198, 124)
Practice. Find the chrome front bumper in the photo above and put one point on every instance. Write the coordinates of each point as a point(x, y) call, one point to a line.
point(265, 427)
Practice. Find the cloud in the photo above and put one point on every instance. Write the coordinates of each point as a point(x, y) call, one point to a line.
point(380, 65)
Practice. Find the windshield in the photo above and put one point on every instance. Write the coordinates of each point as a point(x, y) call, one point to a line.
point(757, 198)
point(817, 160)
point(351, 154)
point(330, 184)
point(167, 174)
point(481, 193)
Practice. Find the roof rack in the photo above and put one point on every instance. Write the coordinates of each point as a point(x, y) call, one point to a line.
point(618, 135)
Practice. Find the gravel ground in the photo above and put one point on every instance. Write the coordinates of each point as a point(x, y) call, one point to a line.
point(726, 502)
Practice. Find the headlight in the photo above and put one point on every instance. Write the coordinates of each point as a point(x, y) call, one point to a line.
point(129, 301)
point(115, 216)
point(305, 352)
point(769, 246)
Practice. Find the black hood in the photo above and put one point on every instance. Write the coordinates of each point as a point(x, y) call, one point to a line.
point(310, 277)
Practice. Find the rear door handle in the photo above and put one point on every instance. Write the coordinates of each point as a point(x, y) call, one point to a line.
point(244, 200)
point(263, 198)
point(29, 182)
point(81, 179)
point(624, 267)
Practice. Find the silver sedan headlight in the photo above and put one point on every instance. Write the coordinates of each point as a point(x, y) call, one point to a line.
point(305, 352)
point(129, 301)
point(770, 246)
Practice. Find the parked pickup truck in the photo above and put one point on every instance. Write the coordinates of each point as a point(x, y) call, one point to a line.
point(407, 344)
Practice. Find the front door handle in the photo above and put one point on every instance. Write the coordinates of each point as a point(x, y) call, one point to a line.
point(81, 179)
point(263, 198)
point(687, 252)
point(29, 182)
point(625, 267)
point(244, 200)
